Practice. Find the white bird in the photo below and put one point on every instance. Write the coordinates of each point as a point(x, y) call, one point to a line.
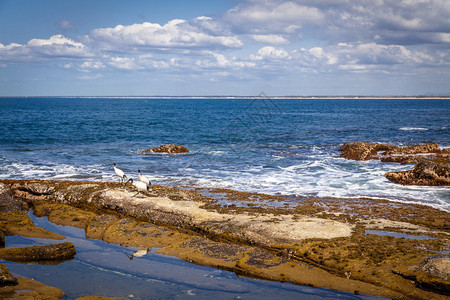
point(139, 185)
point(143, 178)
point(138, 253)
point(119, 172)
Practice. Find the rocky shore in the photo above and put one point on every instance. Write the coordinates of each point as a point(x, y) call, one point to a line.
point(432, 164)
point(323, 242)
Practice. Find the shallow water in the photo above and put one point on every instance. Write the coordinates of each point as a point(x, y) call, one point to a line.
point(287, 147)
point(103, 269)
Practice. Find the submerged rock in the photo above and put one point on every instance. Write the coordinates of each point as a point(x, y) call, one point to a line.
point(168, 148)
point(55, 252)
point(5, 277)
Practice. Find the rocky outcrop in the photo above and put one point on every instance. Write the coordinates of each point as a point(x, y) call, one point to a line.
point(168, 148)
point(391, 153)
point(414, 149)
point(433, 273)
point(363, 151)
point(432, 163)
point(426, 172)
point(7, 202)
point(14, 219)
point(55, 252)
point(5, 277)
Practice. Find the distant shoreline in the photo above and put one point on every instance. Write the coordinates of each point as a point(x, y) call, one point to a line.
point(234, 97)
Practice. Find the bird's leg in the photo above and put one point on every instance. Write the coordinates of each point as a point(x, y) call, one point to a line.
point(130, 257)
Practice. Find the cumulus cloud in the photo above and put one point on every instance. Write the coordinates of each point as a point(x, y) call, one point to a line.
point(405, 22)
point(201, 32)
point(273, 16)
point(57, 46)
point(344, 36)
point(270, 53)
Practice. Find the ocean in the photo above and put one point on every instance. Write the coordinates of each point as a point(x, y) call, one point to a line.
point(275, 146)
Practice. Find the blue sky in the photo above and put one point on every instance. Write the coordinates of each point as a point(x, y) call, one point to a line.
point(224, 47)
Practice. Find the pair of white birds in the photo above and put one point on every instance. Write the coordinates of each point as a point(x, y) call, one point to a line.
point(142, 185)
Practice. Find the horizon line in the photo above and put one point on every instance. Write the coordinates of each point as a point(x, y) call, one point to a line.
point(249, 97)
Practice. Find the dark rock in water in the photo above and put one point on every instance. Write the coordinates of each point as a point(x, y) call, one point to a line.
point(433, 273)
point(55, 252)
point(7, 202)
point(363, 151)
point(426, 172)
point(2, 239)
point(169, 148)
point(5, 277)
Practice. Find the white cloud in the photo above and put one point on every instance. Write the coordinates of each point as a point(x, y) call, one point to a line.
point(124, 63)
point(270, 53)
point(391, 21)
point(56, 46)
point(201, 32)
point(374, 54)
point(273, 16)
point(270, 39)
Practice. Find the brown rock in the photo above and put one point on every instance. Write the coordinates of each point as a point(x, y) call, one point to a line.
point(436, 266)
point(169, 148)
point(55, 252)
point(363, 151)
point(19, 223)
point(7, 202)
point(402, 159)
point(30, 289)
point(426, 172)
point(5, 277)
point(414, 149)
point(432, 273)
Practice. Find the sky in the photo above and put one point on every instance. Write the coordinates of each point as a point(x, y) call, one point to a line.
point(224, 47)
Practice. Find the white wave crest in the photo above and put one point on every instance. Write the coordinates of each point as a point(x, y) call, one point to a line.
point(413, 128)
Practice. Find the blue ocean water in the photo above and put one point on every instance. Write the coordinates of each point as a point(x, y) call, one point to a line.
point(276, 146)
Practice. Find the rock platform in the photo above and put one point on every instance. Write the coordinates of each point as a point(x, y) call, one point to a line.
point(320, 242)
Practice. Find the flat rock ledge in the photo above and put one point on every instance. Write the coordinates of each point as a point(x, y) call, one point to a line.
point(317, 242)
point(167, 148)
point(45, 253)
point(432, 165)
